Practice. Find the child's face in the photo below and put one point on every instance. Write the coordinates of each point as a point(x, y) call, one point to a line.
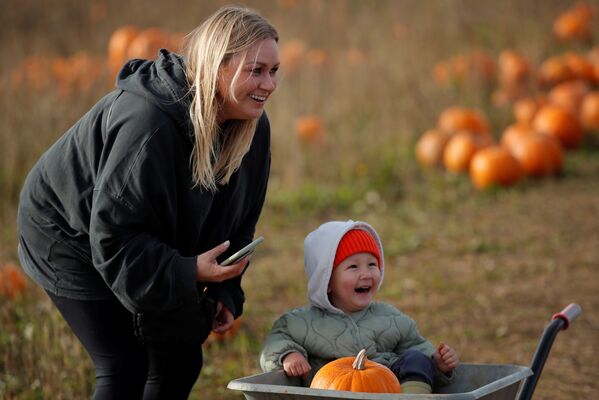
point(354, 282)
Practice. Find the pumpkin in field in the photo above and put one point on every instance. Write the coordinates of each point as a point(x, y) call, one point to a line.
point(538, 154)
point(215, 337)
point(558, 122)
point(430, 146)
point(514, 132)
point(589, 111)
point(356, 375)
point(580, 65)
point(147, 43)
point(524, 109)
point(292, 54)
point(460, 148)
point(513, 68)
point(454, 119)
point(554, 70)
point(309, 129)
point(118, 45)
point(574, 24)
point(569, 94)
point(494, 165)
point(13, 282)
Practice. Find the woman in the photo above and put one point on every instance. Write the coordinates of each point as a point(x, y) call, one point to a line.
point(124, 220)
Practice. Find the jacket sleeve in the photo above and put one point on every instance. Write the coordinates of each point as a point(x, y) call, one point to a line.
point(133, 214)
point(282, 340)
point(230, 292)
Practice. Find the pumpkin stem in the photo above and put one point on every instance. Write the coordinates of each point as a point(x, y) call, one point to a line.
point(360, 360)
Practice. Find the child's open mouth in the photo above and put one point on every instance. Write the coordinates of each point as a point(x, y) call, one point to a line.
point(363, 289)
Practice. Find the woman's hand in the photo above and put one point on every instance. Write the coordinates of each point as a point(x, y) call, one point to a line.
point(295, 364)
point(208, 269)
point(446, 358)
point(223, 319)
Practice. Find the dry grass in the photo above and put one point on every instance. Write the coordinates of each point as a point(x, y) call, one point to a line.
point(482, 271)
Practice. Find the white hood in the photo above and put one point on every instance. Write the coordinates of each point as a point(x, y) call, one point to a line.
point(320, 247)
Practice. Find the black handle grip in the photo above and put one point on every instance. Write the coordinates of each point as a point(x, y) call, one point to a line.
point(560, 321)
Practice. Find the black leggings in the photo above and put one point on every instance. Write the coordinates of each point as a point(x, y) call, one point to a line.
point(125, 369)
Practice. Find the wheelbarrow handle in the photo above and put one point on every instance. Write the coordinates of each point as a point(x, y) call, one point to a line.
point(559, 321)
point(568, 314)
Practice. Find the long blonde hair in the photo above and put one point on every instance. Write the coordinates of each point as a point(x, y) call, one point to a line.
point(228, 32)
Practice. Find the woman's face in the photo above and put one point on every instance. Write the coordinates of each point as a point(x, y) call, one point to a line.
point(256, 82)
point(354, 282)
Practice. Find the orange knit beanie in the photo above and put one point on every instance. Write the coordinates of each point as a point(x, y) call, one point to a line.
point(356, 241)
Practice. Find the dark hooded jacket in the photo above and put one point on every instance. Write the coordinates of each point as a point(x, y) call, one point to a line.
point(111, 209)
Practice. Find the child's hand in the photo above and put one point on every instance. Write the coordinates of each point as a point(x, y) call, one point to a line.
point(446, 358)
point(295, 364)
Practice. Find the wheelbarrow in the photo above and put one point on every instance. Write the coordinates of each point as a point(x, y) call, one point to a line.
point(473, 381)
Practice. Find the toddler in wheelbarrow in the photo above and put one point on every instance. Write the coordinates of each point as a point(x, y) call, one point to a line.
point(344, 264)
point(342, 320)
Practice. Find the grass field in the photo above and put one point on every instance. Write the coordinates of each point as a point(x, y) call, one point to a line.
point(483, 271)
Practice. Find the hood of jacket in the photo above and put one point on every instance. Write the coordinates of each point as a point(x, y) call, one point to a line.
point(162, 82)
point(320, 247)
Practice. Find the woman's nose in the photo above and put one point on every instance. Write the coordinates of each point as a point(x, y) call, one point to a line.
point(268, 83)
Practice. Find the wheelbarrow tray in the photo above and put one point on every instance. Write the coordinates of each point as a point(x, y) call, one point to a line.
point(473, 381)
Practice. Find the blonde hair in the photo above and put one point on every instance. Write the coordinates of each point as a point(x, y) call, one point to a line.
point(228, 32)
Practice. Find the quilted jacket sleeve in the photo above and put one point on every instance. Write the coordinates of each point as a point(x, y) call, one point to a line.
point(283, 338)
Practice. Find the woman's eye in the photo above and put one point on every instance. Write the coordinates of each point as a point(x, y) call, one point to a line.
point(274, 71)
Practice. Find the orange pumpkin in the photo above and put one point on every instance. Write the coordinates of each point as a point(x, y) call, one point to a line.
point(430, 146)
point(538, 154)
point(118, 44)
point(216, 337)
point(317, 57)
point(514, 68)
point(356, 375)
point(459, 150)
point(514, 133)
point(554, 70)
point(292, 53)
point(572, 25)
point(569, 94)
point(589, 111)
point(480, 65)
point(454, 119)
point(558, 122)
point(524, 109)
point(147, 43)
point(494, 165)
point(581, 66)
point(13, 282)
point(309, 129)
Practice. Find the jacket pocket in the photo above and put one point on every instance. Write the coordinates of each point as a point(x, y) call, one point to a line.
point(186, 325)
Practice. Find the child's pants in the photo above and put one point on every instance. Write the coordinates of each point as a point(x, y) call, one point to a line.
point(414, 366)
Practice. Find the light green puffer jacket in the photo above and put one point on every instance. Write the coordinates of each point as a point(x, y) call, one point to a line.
point(323, 333)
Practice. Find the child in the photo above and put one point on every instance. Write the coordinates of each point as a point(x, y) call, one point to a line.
point(345, 267)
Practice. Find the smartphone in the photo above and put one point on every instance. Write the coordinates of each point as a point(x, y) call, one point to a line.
point(249, 249)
